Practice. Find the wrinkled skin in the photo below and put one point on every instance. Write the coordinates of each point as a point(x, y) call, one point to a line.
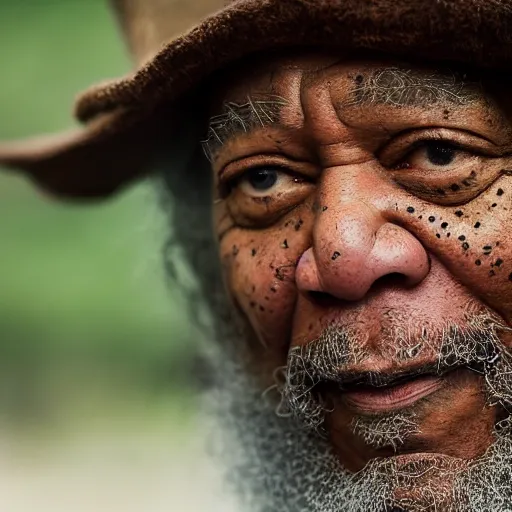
point(358, 222)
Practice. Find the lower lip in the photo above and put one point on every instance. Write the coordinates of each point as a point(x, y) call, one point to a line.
point(374, 400)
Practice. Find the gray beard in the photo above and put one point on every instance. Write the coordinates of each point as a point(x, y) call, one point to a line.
point(274, 464)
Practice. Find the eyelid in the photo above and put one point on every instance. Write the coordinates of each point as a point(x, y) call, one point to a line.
point(411, 140)
point(237, 168)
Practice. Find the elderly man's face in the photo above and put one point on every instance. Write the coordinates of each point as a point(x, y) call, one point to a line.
point(363, 213)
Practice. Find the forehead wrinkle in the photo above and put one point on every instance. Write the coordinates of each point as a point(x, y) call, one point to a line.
point(401, 87)
point(241, 118)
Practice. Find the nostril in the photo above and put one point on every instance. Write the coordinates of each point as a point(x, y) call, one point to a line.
point(323, 298)
point(392, 280)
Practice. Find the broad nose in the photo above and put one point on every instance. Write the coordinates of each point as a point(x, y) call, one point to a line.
point(353, 247)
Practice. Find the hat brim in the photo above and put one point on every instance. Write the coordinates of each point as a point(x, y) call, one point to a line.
point(94, 162)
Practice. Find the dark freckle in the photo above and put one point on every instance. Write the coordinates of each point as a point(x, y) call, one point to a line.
point(262, 308)
point(494, 205)
point(253, 304)
point(500, 192)
point(510, 277)
point(431, 218)
point(444, 225)
point(459, 213)
point(455, 187)
point(324, 208)
point(310, 327)
point(492, 273)
point(273, 289)
point(420, 217)
point(253, 288)
point(477, 225)
point(448, 235)
point(497, 244)
point(438, 235)
point(465, 246)
point(498, 262)
point(253, 252)
point(462, 238)
point(335, 255)
point(235, 250)
point(410, 209)
point(284, 245)
point(267, 298)
point(478, 263)
point(298, 225)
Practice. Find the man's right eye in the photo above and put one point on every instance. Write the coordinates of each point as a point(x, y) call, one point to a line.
point(260, 179)
point(265, 181)
point(259, 194)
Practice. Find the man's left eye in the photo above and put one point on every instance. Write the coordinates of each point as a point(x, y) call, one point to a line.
point(431, 155)
point(440, 154)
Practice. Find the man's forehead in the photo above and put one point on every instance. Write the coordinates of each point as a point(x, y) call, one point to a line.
point(367, 80)
point(255, 97)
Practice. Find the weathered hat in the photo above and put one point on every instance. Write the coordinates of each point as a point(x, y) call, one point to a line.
point(124, 120)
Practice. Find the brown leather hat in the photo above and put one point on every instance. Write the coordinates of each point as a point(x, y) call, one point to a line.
point(124, 121)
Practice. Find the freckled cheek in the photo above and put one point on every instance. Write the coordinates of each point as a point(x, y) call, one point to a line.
point(259, 273)
point(472, 242)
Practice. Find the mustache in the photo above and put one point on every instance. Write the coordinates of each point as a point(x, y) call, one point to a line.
point(331, 359)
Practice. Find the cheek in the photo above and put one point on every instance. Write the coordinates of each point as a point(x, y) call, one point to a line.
point(259, 272)
point(482, 258)
point(473, 243)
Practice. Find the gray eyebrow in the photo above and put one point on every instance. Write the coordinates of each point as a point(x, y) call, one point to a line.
point(237, 118)
point(400, 87)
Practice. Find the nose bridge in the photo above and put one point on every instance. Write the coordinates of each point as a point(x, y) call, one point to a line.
point(352, 211)
point(353, 242)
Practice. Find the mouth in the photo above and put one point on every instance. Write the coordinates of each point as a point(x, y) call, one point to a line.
point(371, 393)
point(371, 400)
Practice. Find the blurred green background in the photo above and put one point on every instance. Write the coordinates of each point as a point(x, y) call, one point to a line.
point(98, 406)
point(89, 329)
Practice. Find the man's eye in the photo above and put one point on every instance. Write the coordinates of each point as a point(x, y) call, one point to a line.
point(440, 154)
point(261, 180)
point(264, 181)
point(430, 155)
point(260, 194)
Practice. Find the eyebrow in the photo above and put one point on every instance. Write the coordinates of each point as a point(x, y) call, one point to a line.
point(239, 118)
point(400, 87)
